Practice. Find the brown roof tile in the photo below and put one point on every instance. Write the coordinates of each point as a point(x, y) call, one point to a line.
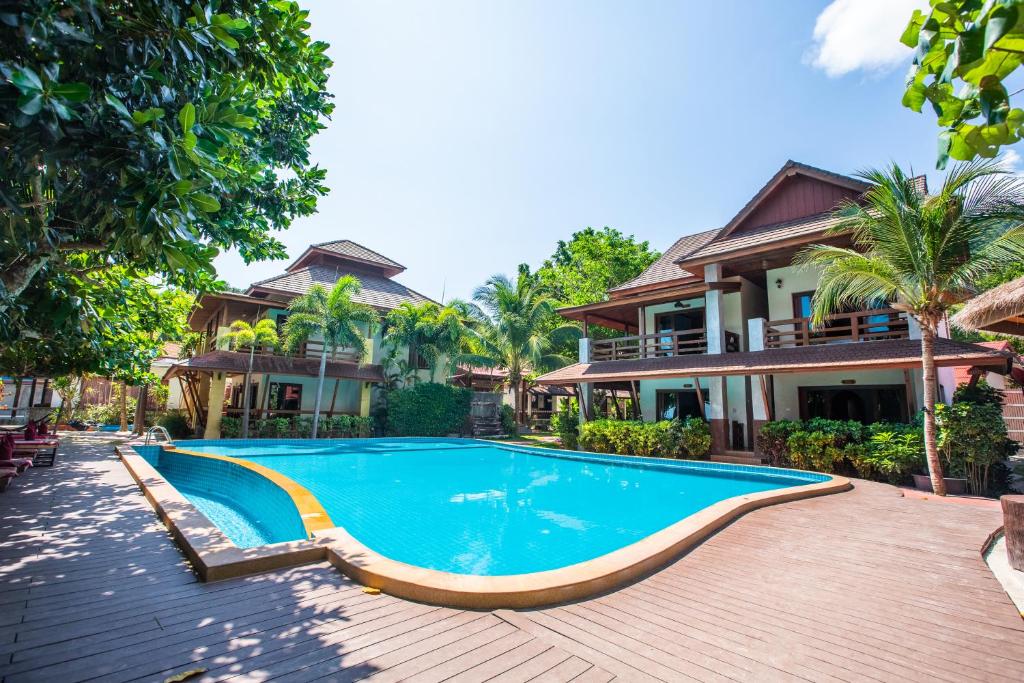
point(896, 353)
point(803, 227)
point(235, 362)
point(665, 268)
point(377, 291)
point(358, 251)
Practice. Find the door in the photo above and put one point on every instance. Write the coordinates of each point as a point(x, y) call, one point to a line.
point(678, 321)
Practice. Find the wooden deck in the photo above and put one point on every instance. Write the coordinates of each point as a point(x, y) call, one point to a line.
point(858, 586)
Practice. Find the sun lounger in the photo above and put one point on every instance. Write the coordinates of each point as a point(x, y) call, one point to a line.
point(42, 452)
point(20, 464)
point(6, 475)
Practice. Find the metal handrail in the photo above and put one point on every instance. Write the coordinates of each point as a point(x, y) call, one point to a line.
point(157, 428)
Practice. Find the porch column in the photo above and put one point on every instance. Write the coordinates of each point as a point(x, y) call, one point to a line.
point(759, 399)
point(586, 393)
point(215, 405)
point(714, 325)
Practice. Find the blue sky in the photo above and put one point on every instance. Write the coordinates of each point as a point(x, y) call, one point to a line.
point(471, 136)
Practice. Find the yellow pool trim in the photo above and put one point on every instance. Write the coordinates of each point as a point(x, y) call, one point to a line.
point(212, 554)
point(564, 584)
point(314, 517)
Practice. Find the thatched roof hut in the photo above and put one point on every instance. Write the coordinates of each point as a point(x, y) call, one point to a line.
point(998, 310)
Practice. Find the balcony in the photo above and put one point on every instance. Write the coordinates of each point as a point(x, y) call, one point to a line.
point(311, 349)
point(658, 345)
point(843, 328)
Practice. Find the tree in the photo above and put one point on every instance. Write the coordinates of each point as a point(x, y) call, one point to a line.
point(515, 338)
point(243, 335)
point(432, 332)
point(150, 135)
point(335, 318)
point(964, 51)
point(583, 269)
point(923, 254)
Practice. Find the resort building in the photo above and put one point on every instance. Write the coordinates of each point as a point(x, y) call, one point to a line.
point(718, 327)
point(284, 383)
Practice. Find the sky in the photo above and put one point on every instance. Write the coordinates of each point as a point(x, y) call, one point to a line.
point(470, 136)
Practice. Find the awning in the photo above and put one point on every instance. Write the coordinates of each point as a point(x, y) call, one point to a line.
point(621, 314)
point(233, 362)
point(1000, 309)
point(874, 355)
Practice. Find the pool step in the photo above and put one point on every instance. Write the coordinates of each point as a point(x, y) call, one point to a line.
point(738, 458)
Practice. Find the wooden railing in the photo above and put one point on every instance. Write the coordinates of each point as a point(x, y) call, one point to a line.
point(871, 325)
point(307, 350)
point(650, 345)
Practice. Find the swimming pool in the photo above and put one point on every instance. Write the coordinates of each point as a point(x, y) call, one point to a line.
point(482, 509)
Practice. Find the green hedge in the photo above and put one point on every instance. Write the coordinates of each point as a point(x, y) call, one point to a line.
point(334, 427)
point(427, 409)
point(689, 439)
point(566, 423)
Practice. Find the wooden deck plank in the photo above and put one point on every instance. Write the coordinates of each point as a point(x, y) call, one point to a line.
point(865, 585)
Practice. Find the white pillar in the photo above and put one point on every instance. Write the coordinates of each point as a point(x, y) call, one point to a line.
point(586, 397)
point(718, 397)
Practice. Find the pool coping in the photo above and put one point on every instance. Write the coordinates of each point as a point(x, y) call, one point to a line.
point(216, 557)
point(212, 554)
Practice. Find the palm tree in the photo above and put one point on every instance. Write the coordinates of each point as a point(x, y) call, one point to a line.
point(242, 335)
point(520, 335)
point(410, 325)
point(335, 318)
point(923, 254)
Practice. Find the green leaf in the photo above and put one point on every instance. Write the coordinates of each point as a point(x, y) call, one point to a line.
point(26, 81)
point(1000, 21)
point(205, 203)
point(30, 104)
point(72, 92)
point(914, 97)
point(224, 38)
point(913, 29)
point(187, 117)
point(181, 188)
point(117, 104)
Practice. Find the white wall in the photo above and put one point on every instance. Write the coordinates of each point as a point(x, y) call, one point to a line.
point(794, 279)
point(787, 396)
point(649, 389)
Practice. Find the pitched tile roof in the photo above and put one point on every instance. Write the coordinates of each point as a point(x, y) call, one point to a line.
point(890, 353)
point(665, 268)
point(764, 236)
point(358, 251)
point(377, 291)
point(236, 362)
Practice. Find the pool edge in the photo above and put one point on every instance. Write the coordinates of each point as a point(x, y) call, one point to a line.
point(212, 554)
point(537, 589)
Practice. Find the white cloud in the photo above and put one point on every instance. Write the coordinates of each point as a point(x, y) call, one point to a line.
point(852, 35)
point(1011, 161)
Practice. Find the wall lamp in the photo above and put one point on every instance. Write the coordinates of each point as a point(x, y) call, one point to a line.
point(778, 283)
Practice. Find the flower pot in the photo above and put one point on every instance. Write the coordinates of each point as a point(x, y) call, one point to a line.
point(954, 487)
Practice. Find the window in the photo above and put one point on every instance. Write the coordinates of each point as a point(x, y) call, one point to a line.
point(681, 321)
point(285, 396)
point(679, 404)
point(885, 403)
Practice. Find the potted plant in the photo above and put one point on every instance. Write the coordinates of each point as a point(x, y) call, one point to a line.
point(955, 486)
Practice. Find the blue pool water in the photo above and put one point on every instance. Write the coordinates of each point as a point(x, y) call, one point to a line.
point(473, 507)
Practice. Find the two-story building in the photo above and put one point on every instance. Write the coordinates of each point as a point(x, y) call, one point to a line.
point(284, 383)
point(718, 327)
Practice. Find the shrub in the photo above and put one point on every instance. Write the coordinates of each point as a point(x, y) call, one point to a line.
point(566, 424)
point(772, 440)
point(176, 424)
point(427, 409)
point(631, 437)
point(508, 420)
point(973, 439)
point(892, 452)
point(230, 427)
point(694, 437)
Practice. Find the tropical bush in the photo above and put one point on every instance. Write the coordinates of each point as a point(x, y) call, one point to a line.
point(334, 427)
point(674, 438)
point(508, 420)
point(892, 453)
point(230, 427)
point(973, 438)
point(427, 409)
point(772, 440)
point(175, 422)
point(566, 423)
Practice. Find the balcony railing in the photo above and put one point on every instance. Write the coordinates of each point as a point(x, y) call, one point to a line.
point(657, 345)
point(311, 349)
point(875, 324)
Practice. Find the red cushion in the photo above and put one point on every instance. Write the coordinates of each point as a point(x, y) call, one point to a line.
point(30, 431)
point(6, 447)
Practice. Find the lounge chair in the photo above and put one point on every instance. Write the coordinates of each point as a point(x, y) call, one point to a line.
point(43, 453)
point(19, 464)
point(6, 475)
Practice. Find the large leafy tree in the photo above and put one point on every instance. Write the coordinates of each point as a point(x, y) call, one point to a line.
point(964, 52)
point(337, 319)
point(149, 135)
point(922, 254)
point(517, 337)
point(242, 335)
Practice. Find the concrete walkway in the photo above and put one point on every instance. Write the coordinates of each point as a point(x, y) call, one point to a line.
point(865, 585)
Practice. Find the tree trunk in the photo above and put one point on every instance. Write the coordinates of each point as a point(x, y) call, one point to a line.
point(17, 396)
point(929, 382)
point(16, 278)
point(319, 390)
point(515, 402)
point(140, 409)
point(124, 406)
point(245, 394)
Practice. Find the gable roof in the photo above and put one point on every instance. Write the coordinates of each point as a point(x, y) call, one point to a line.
point(665, 268)
point(764, 238)
point(377, 291)
point(348, 251)
point(789, 170)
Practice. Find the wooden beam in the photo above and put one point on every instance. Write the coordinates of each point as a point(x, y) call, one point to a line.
point(700, 397)
point(635, 395)
point(764, 397)
point(911, 395)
